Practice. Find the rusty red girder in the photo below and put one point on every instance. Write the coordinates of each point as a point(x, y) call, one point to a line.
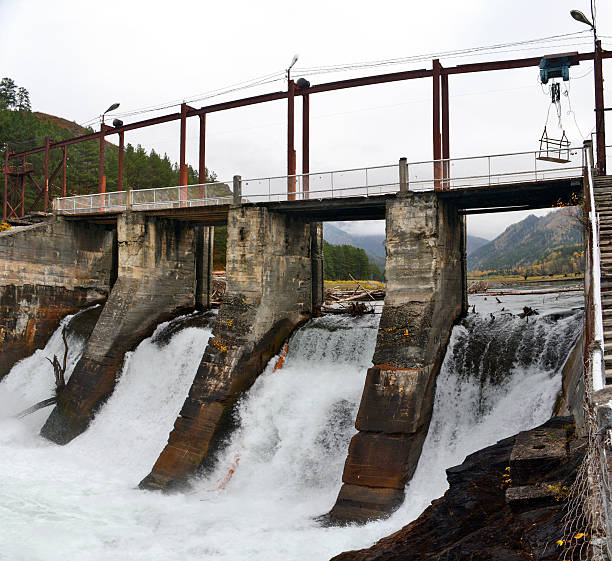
point(441, 149)
point(326, 87)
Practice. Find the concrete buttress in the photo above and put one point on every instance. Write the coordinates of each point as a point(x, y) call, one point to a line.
point(274, 284)
point(156, 280)
point(424, 270)
point(47, 271)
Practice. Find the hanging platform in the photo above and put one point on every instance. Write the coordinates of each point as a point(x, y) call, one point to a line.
point(554, 150)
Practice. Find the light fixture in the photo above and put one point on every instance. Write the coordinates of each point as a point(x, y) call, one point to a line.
point(579, 16)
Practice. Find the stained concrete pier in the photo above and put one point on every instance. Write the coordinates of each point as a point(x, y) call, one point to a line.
point(425, 247)
point(156, 280)
point(274, 284)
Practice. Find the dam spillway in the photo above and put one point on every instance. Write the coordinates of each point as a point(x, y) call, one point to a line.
point(286, 455)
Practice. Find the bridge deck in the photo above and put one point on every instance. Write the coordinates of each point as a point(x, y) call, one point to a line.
point(482, 184)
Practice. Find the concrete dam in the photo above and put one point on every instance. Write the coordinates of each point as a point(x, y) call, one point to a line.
point(146, 266)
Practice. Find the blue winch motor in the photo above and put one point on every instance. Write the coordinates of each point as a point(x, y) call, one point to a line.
point(556, 66)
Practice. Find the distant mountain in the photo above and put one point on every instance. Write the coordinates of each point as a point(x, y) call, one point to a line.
point(550, 244)
point(374, 244)
point(474, 242)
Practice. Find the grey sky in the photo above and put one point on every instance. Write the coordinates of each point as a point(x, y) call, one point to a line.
point(77, 57)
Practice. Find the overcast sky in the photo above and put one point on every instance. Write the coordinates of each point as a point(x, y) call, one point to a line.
point(77, 57)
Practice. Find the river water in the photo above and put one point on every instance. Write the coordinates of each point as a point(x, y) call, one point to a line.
point(282, 467)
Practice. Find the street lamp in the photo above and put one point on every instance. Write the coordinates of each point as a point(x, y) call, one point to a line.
point(600, 127)
point(101, 176)
point(293, 61)
point(111, 108)
point(579, 16)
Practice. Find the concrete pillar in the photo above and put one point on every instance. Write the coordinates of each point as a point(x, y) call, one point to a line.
point(269, 293)
point(423, 300)
point(316, 259)
point(156, 280)
point(48, 271)
point(204, 265)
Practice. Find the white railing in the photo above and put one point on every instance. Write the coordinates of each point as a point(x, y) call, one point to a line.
point(145, 199)
point(594, 329)
point(456, 173)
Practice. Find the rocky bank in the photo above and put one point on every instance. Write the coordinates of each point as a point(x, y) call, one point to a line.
point(505, 503)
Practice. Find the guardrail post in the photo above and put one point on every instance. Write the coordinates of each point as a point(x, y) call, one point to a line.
point(403, 175)
point(237, 190)
point(128, 198)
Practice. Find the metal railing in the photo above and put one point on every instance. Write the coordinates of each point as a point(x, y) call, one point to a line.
point(457, 173)
point(145, 199)
point(594, 330)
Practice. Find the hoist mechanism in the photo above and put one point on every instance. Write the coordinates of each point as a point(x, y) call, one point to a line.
point(555, 66)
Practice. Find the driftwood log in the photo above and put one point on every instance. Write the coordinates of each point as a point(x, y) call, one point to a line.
point(59, 370)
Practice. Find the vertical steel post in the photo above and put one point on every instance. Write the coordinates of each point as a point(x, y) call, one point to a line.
point(5, 170)
point(291, 140)
point(101, 182)
point(183, 140)
point(22, 182)
point(202, 162)
point(437, 152)
point(445, 131)
point(46, 187)
point(237, 198)
point(305, 145)
point(600, 126)
point(403, 175)
point(64, 169)
point(120, 161)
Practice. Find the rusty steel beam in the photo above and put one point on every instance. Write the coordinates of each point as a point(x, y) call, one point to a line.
point(445, 118)
point(23, 182)
point(437, 148)
point(600, 122)
point(5, 170)
point(120, 161)
point(202, 160)
point(46, 186)
point(326, 87)
point(64, 168)
point(305, 144)
point(291, 187)
point(182, 146)
point(101, 182)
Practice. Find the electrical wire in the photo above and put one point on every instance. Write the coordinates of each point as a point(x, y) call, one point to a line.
point(279, 75)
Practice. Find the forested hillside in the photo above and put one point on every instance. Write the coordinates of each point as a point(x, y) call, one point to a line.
point(22, 129)
point(342, 261)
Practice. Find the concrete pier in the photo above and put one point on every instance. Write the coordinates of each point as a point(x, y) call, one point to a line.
point(157, 279)
point(274, 284)
point(48, 271)
point(425, 296)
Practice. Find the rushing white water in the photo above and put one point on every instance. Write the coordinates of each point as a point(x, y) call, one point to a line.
point(281, 468)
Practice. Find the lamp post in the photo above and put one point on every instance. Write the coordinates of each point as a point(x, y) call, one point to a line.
point(101, 176)
point(600, 125)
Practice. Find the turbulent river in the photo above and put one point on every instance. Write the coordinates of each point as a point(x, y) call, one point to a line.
point(282, 467)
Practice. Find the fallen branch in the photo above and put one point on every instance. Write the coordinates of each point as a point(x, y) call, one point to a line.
point(59, 370)
point(40, 405)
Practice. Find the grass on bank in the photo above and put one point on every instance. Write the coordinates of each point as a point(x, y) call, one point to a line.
point(352, 285)
point(521, 278)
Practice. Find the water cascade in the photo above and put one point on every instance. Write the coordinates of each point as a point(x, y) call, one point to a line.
point(282, 466)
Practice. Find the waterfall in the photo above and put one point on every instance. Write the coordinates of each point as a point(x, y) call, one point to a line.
point(281, 467)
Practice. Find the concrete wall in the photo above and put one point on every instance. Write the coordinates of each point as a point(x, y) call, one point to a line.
point(425, 295)
point(269, 293)
point(47, 271)
point(156, 280)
